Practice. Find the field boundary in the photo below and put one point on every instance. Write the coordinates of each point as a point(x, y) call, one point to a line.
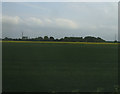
point(59, 42)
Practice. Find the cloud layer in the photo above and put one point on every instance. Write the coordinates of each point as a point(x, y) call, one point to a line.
point(45, 22)
point(60, 19)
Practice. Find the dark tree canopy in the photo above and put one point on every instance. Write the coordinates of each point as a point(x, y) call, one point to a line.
point(93, 39)
point(46, 38)
point(51, 38)
point(66, 39)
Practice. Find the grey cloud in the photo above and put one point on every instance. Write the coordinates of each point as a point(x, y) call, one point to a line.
point(46, 22)
point(71, 19)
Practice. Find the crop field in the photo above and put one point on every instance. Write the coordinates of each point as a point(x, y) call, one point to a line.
point(59, 67)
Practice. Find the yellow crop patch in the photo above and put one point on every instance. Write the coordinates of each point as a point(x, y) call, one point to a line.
point(60, 42)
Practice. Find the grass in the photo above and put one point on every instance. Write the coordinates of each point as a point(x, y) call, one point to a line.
point(59, 67)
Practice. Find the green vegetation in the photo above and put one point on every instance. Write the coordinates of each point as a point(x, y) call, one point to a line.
point(37, 67)
point(67, 39)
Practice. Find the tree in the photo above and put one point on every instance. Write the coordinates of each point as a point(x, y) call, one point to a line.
point(6, 38)
point(52, 38)
point(39, 38)
point(115, 41)
point(100, 40)
point(61, 39)
point(46, 38)
point(93, 39)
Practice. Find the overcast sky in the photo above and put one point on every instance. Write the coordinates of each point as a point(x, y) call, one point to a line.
point(60, 19)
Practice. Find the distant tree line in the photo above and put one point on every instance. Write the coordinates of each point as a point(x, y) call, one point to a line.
point(66, 39)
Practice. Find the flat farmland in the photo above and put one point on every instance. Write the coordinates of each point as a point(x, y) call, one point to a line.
point(59, 67)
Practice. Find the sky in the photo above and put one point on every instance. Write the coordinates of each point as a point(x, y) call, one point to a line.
point(60, 19)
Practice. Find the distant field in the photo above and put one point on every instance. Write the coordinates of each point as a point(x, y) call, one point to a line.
point(61, 42)
point(61, 67)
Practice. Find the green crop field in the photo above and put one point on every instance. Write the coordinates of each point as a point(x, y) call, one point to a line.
point(59, 67)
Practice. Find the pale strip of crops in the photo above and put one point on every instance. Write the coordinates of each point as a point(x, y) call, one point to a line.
point(59, 42)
